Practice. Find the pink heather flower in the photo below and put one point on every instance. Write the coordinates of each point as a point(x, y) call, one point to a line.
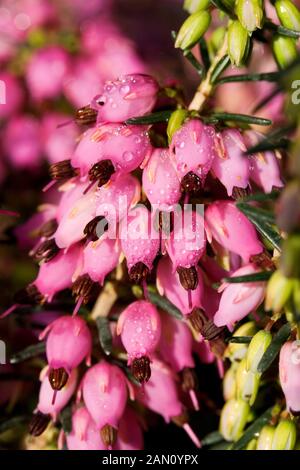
point(232, 230)
point(71, 226)
point(289, 374)
point(100, 258)
point(46, 404)
point(231, 166)
point(124, 146)
point(139, 241)
point(176, 343)
point(238, 300)
point(68, 343)
point(264, 167)
point(160, 181)
point(13, 97)
point(130, 435)
point(29, 231)
point(194, 148)
point(128, 96)
point(83, 82)
point(72, 191)
point(46, 71)
point(84, 434)
point(105, 395)
point(168, 284)
point(58, 141)
point(140, 329)
point(187, 242)
point(57, 274)
point(22, 142)
point(160, 393)
point(114, 199)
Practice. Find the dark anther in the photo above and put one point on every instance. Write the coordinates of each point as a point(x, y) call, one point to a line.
point(90, 230)
point(189, 379)
point(203, 325)
point(138, 273)
point(86, 115)
point(181, 419)
point(141, 369)
point(58, 378)
point(62, 170)
point(30, 295)
point(46, 251)
point(188, 277)
point(108, 435)
point(263, 260)
point(240, 193)
point(102, 172)
point(84, 288)
point(38, 423)
point(48, 229)
point(191, 183)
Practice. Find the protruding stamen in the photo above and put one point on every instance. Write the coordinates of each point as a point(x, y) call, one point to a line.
point(90, 230)
point(102, 172)
point(9, 311)
point(192, 435)
point(138, 273)
point(86, 115)
point(46, 251)
point(58, 378)
point(48, 229)
point(38, 423)
point(188, 277)
point(141, 369)
point(62, 170)
point(109, 435)
point(84, 288)
point(191, 183)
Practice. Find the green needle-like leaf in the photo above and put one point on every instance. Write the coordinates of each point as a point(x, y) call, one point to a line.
point(65, 417)
point(255, 277)
point(273, 350)
point(252, 430)
point(195, 63)
point(240, 339)
point(165, 304)
point(219, 68)
point(204, 53)
point(104, 333)
point(256, 77)
point(212, 438)
point(28, 353)
point(159, 116)
point(261, 214)
point(242, 118)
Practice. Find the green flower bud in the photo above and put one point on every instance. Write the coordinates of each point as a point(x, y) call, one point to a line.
point(193, 29)
point(195, 5)
point(229, 383)
point(247, 383)
point(235, 351)
point(252, 444)
point(257, 347)
point(288, 14)
point(234, 417)
point(290, 259)
point(285, 50)
point(285, 436)
point(217, 39)
point(250, 14)
point(279, 290)
point(265, 438)
point(296, 295)
point(238, 43)
point(175, 121)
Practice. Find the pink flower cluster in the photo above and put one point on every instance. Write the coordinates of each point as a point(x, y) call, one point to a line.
point(97, 186)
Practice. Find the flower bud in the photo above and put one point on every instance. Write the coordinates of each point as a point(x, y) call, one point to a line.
point(234, 417)
point(229, 383)
point(279, 290)
point(175, 121)
point(195, 5)
point(238, 43)
point(247, 383)
point(235, 351)
point(250, 13)
point(265, 438)
point(288, 14)
point(289, 374)
point(252, 444)
point(290, 259)
point(284, 436)
point(257, 347)
point(193, 29)
point(284, 50)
